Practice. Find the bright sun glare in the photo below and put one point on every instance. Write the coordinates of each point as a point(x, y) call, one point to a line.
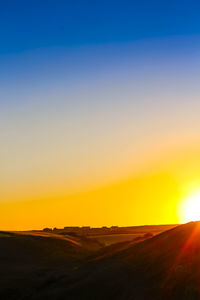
point(190, 208)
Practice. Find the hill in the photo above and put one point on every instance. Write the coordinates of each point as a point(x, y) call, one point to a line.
point(27, 259)
point(166, 266)
point(46, 266)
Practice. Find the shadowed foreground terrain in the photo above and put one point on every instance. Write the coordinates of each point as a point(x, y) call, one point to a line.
point(165, 266)
point(29, 260)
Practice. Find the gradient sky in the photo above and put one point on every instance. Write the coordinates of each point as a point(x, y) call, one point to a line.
point(99, 111)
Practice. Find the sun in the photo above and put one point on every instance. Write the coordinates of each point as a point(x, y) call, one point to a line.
point(190, 208)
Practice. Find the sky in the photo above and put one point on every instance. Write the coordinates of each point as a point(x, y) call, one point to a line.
point(99, 112)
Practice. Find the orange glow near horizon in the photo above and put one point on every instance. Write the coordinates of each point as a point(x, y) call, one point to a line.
point(164, 193)
point(144, 200)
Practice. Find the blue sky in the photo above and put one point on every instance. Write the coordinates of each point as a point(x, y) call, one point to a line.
point(26, 25)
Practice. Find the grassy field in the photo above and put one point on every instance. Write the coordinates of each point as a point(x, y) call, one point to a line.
point(110, 239)
point(130, 234)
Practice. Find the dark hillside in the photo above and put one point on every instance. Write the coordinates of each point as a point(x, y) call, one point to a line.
point(166, 266)
point(29, 259)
